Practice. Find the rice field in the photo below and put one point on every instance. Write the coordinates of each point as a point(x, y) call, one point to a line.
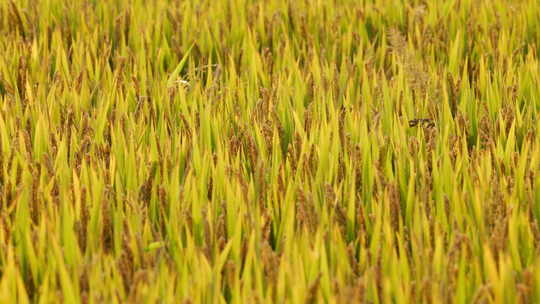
point(250, 151)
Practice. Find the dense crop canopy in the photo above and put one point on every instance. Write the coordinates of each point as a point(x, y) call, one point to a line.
point(273, 151)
